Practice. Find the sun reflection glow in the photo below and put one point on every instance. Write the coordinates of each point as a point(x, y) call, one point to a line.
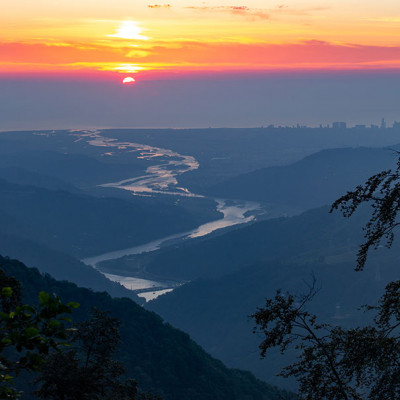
point(122, 68)
point(129, 30)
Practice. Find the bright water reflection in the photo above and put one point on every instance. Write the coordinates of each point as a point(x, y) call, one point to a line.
point(134, 283)
point(159, 178)
point(233, 214)
point(153, 295)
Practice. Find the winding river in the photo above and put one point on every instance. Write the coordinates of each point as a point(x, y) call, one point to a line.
point(161, 178)
point(158, 179)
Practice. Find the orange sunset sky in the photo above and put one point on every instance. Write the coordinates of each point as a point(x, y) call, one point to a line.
point(144, 37)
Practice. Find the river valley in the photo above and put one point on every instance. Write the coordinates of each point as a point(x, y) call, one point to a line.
point(161, 179)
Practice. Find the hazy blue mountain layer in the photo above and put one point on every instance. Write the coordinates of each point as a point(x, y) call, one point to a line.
point(222, 153)
point(226, 152)
point(83, 225)
point(311, 182)
point(76, 169)
point(21, 176)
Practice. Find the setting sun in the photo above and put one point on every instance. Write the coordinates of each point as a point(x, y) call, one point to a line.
point(128, 80)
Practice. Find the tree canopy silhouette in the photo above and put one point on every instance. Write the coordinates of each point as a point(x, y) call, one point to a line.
point(382, 192)
point(88, 369)
point(27, 333)
point(337, 363)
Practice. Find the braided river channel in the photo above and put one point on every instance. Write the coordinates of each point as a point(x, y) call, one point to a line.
point(161, 178)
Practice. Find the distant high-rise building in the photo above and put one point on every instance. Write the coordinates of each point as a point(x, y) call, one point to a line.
point(339, 125)
point(383, 123)
point(396, 125)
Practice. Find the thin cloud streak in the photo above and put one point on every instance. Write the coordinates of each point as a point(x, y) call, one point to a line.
point(306, 11)
point(159, 6)
point(185, 55)
point(245, 11)
point(242, 11)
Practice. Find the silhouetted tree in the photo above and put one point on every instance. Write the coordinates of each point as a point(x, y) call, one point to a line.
point(382, 192)
point(88, 370)
point(336, 363)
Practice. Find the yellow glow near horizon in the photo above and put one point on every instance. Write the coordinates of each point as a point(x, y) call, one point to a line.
point(123, 68)
point(129, 30)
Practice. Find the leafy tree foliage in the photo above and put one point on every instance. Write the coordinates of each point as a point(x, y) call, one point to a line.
point(382, 191)
point(27, 333)
point(88, 370)
point(336, 363)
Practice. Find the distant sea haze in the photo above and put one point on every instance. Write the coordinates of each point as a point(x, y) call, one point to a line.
point(243, 101)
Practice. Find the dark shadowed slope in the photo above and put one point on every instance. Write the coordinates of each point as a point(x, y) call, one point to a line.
point(214, 311)
point(83, 225)
point(161, 358)
point(61, 266)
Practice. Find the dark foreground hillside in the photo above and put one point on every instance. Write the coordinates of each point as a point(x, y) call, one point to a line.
point(61, 266)
point(161, 358)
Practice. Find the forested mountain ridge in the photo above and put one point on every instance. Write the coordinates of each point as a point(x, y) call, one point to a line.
point(316, 180)
point(161, 358)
